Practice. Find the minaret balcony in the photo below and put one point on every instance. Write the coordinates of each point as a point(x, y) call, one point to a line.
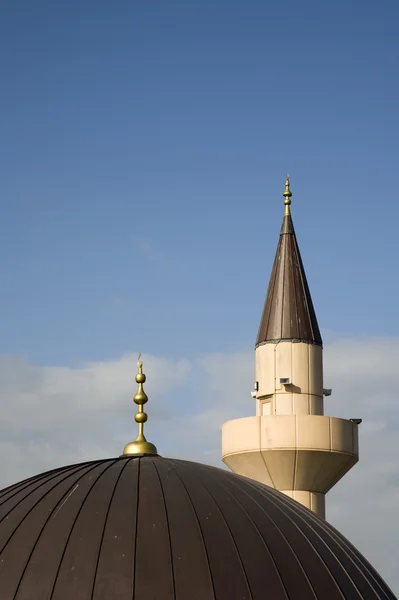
point(291, 452)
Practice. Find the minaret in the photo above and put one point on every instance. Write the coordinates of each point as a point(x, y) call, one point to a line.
point(290, 445)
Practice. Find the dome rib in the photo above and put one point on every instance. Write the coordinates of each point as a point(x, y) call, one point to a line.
point(225, 564)
point(36, 478)
point(337, 545)
point(264, 543)
point(18, 546)
point(173, 465)
point(276, 591)
point(86, 468)
point(302, 584)
point(308, 589)
point(244, 509)
point(341, 549)
point(153, 541)
point(343, 546)
point(167, 525)
point(71, 539)
point(20, 485)
point(227, 526)
point(136, 525)
point(105, 527)
point(32, 508)
point(279, 516)
point(148, 527)
point(116, 564)
point(41, 480)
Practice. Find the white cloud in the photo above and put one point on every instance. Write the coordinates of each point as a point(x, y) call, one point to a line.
point(57, 415)
point(54, 415)
point(365, 504)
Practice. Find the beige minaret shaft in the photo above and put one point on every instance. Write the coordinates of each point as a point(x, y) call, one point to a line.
point(290, 444)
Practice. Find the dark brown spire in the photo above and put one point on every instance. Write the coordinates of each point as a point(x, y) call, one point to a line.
point(288, 313)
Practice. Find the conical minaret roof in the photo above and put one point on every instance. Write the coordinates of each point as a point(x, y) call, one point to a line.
point(288, 313)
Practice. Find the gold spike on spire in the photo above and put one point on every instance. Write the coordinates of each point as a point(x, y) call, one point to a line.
point(287, 195)
point(140, 445)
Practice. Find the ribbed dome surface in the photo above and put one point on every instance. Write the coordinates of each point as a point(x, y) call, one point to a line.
point(159, 529)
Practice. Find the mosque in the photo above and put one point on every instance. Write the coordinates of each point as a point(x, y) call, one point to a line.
point(143, 527)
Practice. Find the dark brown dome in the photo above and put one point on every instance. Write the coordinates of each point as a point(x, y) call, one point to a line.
point(157, 529)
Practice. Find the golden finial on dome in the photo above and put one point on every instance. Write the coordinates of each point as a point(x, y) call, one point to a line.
point(287, 195)
point(140, 445)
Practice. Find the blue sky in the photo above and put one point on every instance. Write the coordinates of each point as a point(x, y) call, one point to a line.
point(143, 151)
point(144, 147)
